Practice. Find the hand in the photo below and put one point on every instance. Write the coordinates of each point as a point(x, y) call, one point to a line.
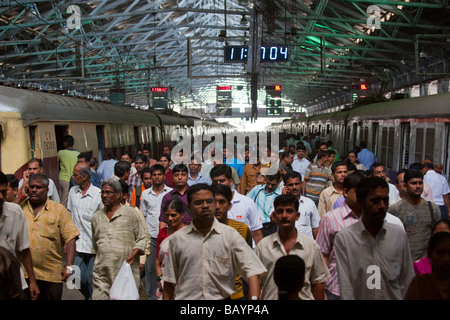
point(65, 274)
point(141, 267)
point(34, 290)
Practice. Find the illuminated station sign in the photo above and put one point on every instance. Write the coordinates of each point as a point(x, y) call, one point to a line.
point(268, 54)
point(160, 97)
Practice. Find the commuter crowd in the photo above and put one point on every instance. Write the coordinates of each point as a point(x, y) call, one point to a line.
point(324, 226)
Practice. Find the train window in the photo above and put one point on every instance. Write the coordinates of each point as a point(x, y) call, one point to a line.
point(429, 144)
point(136, 139)
point(101, 143)
point(374, 146)
point(418, 154)
point(33, 140)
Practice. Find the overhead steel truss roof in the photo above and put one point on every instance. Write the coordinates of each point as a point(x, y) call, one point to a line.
point(91, 46)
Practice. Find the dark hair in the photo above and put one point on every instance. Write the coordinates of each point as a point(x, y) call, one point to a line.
point(145, 170)
point(222, 190)
point(289, 275)
point(157, 167)
point(221, 169)
point(367, 184)
point(121, 167)
point(292, 175)
point(85, 156)
point(352, 180)
point(428, 165)
point(330, 152)
point(284, 199)
point(69, 140)
point(196, 188)
point(301, 146)
point(141, 156)
point(286, 153)
point(166, 155)
point(322, 143)
point(175, 204)
point(416, 166)
point(39, 162)
point(39, 177)
point(322, 153)
point(412, 174)
point(435, 239)
point(442, 221)
point(12, 180)
point(181, 167)
point(276, 176)
point(126, 153)
point(337, 164)
point(3, 178)
point(125, 186)
point(373, 166)
point(363, 144)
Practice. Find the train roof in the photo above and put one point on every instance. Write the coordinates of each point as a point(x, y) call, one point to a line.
point(437, 105)
point(37, 106)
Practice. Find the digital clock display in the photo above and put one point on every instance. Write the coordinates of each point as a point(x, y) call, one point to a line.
point(268, 53)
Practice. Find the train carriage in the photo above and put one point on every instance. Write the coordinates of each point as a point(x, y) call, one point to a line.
point(33, 124)
point(399, 132)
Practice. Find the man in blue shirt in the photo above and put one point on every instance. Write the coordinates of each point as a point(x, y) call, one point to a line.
point(365, 156)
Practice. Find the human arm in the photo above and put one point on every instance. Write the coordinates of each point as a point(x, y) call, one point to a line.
point(168, 291)
point(70, 257)
point(27, 262)
point(318, 290)
point(447, 203)
point(254, 289)
point(257, 236)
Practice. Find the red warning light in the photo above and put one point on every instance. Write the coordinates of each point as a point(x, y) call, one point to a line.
point(223, 88)
point(159, 89)
point(363, 87)
point(277, 88)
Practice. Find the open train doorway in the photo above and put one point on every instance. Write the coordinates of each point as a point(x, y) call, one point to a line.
point(60, 133)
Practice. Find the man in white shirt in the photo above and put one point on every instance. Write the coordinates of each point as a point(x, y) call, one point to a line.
point(373, 257)
point(300, 162)
point(151, 209)
point(439, 187)
point(205, 256)
point(308, 222)
point(244, 209)
point(83, 201)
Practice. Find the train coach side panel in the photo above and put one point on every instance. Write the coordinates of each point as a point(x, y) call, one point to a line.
point(14, 144)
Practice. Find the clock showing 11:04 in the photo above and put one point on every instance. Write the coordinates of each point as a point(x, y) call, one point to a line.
point(268, 53)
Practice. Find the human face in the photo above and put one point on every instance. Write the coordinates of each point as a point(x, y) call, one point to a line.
point(222, 208)
point(139, 165)
point(380, 172)
point(10, 193)
point(146, 152)
point(331, 158)
point(166, 150)
point(440, 259)
point(294, 186)
point(352, 157)
point(147, 180)
point(180, 179)
point(375, 206)
point(203, 205)
point(194, 167)
point(174, 218)
point(289, 159)
point(340, 174)
point(323, 147)
point(414, 187)
point(222, 179)
point(157, 177)
point(438, 168)
point(109, 196)
point(78, 178)
point(271, 185)
point(285, 216)
point(164, 162)
point(300, 154)
point(126, 158)
point(37, 192)
point(34, 168)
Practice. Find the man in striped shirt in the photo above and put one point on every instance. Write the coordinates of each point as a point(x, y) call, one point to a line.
point(263, 197)
point(316, 177)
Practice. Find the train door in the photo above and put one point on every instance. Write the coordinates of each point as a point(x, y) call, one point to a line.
point(354, 137)
point(404, 146)
point(101, 142)
point(446, 155)
point(375, 128)
point(60, 133)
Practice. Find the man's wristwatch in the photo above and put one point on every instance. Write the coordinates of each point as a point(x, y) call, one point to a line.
point(69, 268)
point(254, 298)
